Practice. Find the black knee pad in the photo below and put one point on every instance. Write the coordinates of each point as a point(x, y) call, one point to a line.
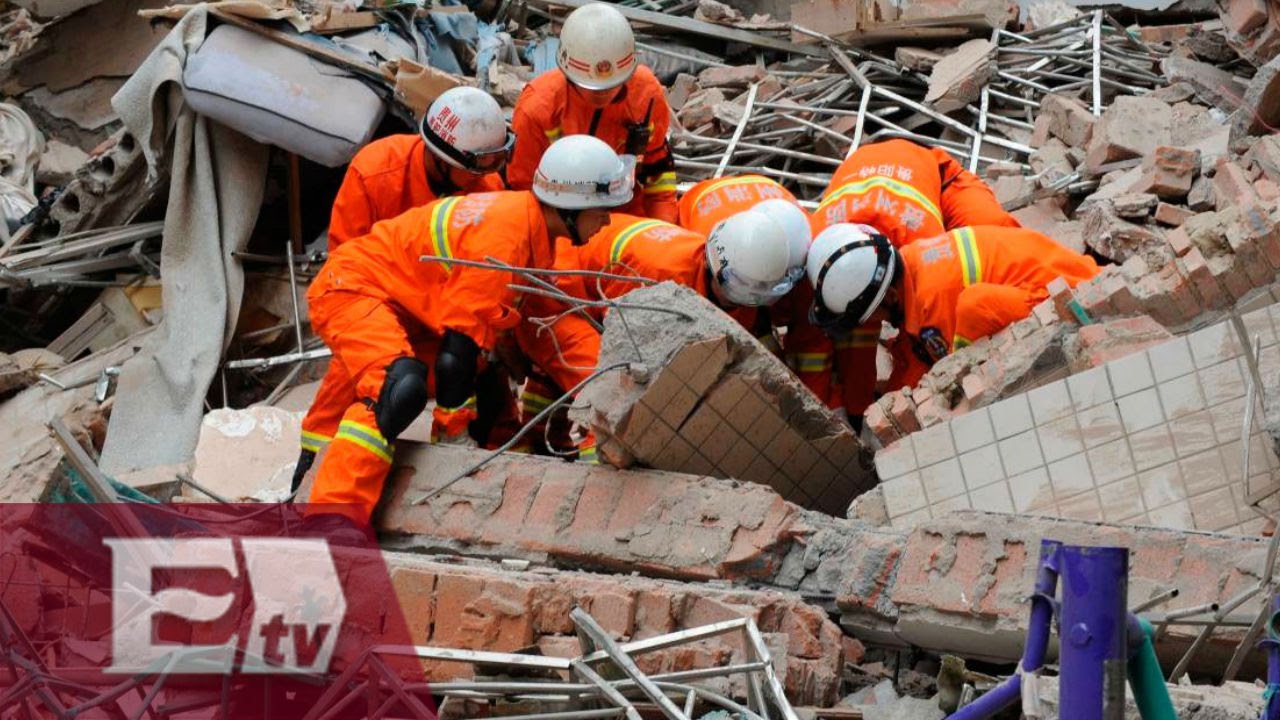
point(403, 396)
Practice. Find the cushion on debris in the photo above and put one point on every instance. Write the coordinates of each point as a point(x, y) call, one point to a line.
point(281, 96)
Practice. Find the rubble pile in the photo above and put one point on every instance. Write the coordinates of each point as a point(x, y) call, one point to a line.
point(165, 206)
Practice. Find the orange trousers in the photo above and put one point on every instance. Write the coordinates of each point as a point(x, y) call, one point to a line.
point(366, 335)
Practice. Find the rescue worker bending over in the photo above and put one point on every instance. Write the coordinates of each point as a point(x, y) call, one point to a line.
point(805, 348)
point(462, 143)
point(600, 89)
point(907, 192)
point(375, 294)
point(942, 293)
point(746, 263)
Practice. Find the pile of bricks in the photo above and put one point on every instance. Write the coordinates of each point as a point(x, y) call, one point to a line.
point(1212, 261)
point(952, 584)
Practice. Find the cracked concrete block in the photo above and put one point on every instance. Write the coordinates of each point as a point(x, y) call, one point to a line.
point(1069, 120)
point(1260, 109)
point(108, 191)
point(957, 79)
point(1214, 86)
point(1131, 127)
point(711, 384)
point(1113, 237)
point(246, 455)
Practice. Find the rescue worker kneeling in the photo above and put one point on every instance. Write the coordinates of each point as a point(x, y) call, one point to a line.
point(462, 143)
point(374, 293)
point(942, 293)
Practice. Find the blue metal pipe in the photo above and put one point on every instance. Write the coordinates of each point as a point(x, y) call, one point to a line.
point(1271, 711)
point(1093, 654)
point(1042, 605)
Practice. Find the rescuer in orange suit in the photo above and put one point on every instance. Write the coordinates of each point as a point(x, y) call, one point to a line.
point(941, 293)
point(600, 89)
point(806, 349)
point(745, 264)
point(702, 208)
point(907, 192)
point(461, 145)
point(374, 294)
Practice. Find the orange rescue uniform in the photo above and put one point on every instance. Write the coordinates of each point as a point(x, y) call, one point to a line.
point(549, 108)
point(374, 295)
point(965, 285)
point(908, 192)
point(806, 349)
point(386, 178)
point(627, 245)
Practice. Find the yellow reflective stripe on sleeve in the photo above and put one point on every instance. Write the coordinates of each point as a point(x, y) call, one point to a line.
point(970, 259)
point(666, 182)
point(366, 437)
point(533, 401)
point(811, 362)
point(889, 185)
point(624, 238)
point(441, 213)
point(723, 183)
point(314, 441)
point(959, 341)
point(553, 134)
point(859, 339)
point(469, 403)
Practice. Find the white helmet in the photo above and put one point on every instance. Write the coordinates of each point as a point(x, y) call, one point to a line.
point(795, 223)
point(748, 256)
point(851, 268)
point(581, 171)
point(465, 128)
point(597, 49)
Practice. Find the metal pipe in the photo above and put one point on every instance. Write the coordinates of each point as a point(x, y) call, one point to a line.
point(1158, 599)
point(1093, 653)
point(588, 624)
point(737, 132)
point(1033, 652)
point(293, 288)
point(261, 363)
point(1096, 32)
point(1218, 616)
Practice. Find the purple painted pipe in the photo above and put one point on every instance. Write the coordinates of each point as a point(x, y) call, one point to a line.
point(1010, 691)
point(1272, 643)
point(1093, 655)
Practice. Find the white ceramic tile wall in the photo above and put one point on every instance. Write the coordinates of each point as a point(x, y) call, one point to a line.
point(1152, 438)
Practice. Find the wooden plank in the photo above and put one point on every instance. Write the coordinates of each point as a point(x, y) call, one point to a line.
point(297, 42)
point(697, 27)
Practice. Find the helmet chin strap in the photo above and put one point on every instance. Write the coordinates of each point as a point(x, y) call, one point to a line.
point(570, 218)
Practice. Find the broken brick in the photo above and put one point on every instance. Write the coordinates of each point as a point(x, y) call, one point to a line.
point(1231, 185)
point(1196, 267)
point(1171, 215)
point(736, 77)
point(1245, 16)
point(1131, 127)
point(1168, 172)
point(1069, 120)
point(958, 78)
point(903, 412)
